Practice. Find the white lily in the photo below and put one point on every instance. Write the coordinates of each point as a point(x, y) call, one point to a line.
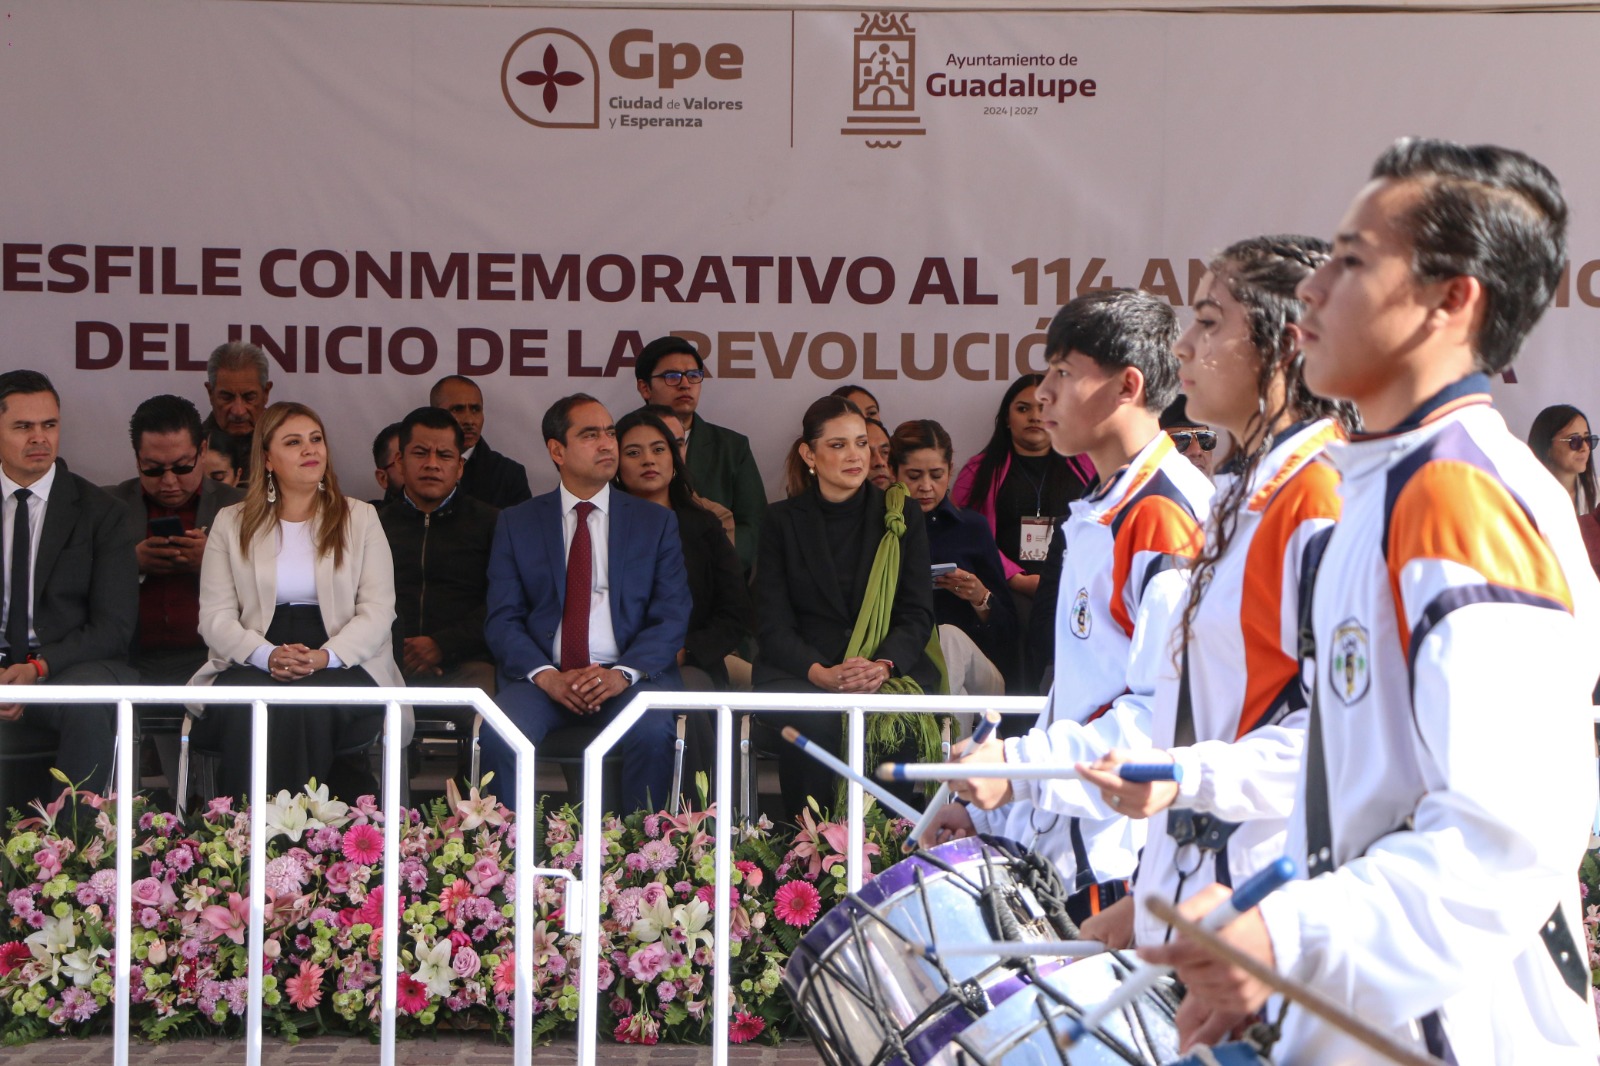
point(286, 816)
point(693, 917)
point(654, 920)
point(82, 965)
point(329, 812)
point(433, 968)
point(55, 936)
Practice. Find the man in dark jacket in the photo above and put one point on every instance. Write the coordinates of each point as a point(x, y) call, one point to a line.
point(487, 475)
point(71, 592)
point(440, 538)
point(721, 466)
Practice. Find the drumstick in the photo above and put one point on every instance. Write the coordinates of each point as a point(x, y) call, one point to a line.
point(826, 758)
point(1146, 975)
point(1023, 771)
point(1015, 949)
point(986, 727)
point(1309, 998)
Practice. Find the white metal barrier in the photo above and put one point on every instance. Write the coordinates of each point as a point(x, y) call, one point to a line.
point(724, 703)
point(257, 698)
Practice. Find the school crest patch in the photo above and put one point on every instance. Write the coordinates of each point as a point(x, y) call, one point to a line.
point(1350, 666)
point(1081, 617)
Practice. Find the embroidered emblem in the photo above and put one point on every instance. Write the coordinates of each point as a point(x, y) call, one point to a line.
point(1349, 668)
point(1080, 615)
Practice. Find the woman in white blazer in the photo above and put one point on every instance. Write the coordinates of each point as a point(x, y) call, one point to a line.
point(296, 587)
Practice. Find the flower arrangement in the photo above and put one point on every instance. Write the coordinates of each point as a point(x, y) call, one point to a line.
point(325, 891)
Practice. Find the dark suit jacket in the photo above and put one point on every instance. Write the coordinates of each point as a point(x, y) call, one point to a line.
point(803, 620)
point(722, 468)
point(214, 496)
point(722, 617)
point(528, 576)
point(494, 479)
point(85, 580)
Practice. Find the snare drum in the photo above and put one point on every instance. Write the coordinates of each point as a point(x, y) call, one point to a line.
point(871, 997)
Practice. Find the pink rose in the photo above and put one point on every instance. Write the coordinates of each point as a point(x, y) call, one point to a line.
point(465, 962)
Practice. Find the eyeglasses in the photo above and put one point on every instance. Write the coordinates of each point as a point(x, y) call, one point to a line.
point(155, 473)
point(1206, 437)
point(1579, 441)
point(678, 377)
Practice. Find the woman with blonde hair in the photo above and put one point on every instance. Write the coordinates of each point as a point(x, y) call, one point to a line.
point(296, 587)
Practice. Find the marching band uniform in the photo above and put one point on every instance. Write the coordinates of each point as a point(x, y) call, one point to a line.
point(1449, 784)
point(1247, 709)
point(1127, 551)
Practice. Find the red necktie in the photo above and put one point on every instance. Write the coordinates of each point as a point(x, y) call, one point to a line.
point(580, 584)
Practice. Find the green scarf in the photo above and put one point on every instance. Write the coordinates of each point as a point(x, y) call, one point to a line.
point(886, 732)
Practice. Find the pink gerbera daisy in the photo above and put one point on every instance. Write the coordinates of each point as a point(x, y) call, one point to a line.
point(745, 1027)
point(363, 844)
point(305, 988)
point(412, 997)
point(797, 903)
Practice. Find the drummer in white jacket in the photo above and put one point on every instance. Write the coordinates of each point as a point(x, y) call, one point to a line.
point(1449, 780)
point(1128, 547)
point(1229, 706)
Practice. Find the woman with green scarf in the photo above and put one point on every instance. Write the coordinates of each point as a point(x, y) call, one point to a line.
point(844, 596)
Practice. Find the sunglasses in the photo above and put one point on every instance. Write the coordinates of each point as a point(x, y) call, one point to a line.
point(678, 377)
point(155, 473)
point(1182, 440)
point(1579, 441)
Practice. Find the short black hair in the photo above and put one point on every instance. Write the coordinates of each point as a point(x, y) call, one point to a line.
point(1489, 213)
point(380, 444)
point(1120, 328)
point(450, 379)
point(165, 414)
point(644, 367)
point(558, 419)
point(25, 383)
point(429, 418)
point(1176, 415)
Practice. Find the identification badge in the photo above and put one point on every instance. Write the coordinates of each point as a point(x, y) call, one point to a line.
point(1036, 534)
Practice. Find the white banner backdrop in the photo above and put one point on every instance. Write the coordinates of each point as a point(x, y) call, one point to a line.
point(381, 195)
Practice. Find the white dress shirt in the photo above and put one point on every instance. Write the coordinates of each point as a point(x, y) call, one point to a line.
point(37, 504)
point(602, 638)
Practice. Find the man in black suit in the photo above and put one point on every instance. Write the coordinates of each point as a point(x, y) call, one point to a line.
point(489, 476)
point(71, 588)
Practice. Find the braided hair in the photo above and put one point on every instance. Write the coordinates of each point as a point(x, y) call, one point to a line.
point(1261, 274)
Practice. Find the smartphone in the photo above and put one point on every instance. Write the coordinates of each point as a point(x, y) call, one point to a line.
point(941, 569)
point(167, 526)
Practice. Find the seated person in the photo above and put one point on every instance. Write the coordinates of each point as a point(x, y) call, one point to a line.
point(722, 617)
point(68, 550)
point(238, 386)
point(171, 506)
point(297, 587)
point(216, 462)
point(587, 604)
point(440, 539)
point(386, 464)
point(669, 371)
point(817, 553)
point(496, 479)
point(973, 597)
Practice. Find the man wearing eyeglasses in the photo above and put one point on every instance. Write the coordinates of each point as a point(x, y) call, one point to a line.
point(171, 504)
point(669, 371)
point(1196, 442)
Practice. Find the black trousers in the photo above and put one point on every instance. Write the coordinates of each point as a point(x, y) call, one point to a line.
point(304, 741)
point(83, 737)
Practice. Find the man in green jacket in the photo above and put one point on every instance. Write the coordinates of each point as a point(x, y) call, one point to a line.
point(669, 371)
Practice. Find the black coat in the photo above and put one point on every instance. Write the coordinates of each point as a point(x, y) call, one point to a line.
point(722, 616)
point(85, 577)
point(802, 618)
point(494, 479)
point(441, 574)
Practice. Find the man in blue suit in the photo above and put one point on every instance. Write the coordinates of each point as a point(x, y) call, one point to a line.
point(588, 603)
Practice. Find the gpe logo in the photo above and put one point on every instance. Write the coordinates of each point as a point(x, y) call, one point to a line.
point(551, 78)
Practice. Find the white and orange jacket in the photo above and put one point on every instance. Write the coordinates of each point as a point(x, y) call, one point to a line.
point(1456, 650)
point(1127, 553)
point(1247, 701)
